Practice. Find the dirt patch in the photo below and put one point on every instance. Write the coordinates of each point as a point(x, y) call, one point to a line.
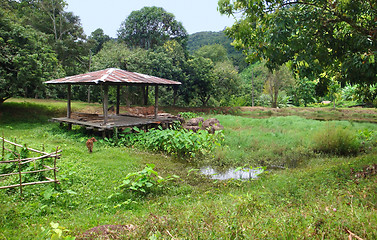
point(107, 232)
point(321, 113)
point(125, 110)
point(174, 110)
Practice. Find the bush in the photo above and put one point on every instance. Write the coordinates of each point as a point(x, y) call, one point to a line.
point(188, 115)
point(337, 141)
point(181, 142)
point(145, 181)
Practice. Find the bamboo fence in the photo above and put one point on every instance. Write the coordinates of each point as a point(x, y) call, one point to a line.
point(21, 161)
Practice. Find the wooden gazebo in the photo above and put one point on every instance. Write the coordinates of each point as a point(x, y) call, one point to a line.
point(105, 78)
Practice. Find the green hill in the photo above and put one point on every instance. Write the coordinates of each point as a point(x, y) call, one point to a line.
point(200, 39)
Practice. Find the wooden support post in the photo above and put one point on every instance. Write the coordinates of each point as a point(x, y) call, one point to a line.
point(89, 94)
point(3, 154)
point(55, 158)
point(19, 174)
point(118, 100)
point(69, 92)
point(69, 111)
point(105, 102)
point(156, 101)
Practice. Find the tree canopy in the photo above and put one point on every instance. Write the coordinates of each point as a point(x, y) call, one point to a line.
point(98, 38)
point(215, 52)
point(151, 27)
point(26, 60)
point(326, 40)
point(200, 39)
point(64, 31)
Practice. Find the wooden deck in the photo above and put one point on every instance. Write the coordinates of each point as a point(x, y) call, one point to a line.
point(96, 122)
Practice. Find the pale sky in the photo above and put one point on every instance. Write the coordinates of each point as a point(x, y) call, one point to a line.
point(195, 15)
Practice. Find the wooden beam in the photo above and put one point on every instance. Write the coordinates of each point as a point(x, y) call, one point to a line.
point(105, 102)
point(69, 92)
point(155, 101)
point(118, 100)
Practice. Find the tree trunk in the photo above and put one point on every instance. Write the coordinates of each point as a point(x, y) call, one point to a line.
point(145, 95)
point(252, 88)
point(175, 96)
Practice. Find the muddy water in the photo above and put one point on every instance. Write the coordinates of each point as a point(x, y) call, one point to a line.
point(245, 173)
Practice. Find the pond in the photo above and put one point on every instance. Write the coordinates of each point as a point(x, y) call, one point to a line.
point(239, 173)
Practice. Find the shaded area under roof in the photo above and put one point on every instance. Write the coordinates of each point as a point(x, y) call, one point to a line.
point(113, 76)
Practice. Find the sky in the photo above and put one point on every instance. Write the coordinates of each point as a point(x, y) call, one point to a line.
point(195, 15)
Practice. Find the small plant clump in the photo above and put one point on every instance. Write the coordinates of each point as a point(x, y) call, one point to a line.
point(145, 181)
point(188, 115)
point(337, 141)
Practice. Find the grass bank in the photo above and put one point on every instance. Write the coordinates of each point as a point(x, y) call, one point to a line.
point(321, 198)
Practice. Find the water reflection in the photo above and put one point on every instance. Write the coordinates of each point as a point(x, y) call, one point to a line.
point(245, 173)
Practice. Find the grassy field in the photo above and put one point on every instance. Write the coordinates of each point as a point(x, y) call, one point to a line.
point(313, 196)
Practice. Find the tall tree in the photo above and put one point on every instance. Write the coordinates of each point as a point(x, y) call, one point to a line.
point(98, 37)
point(112, 55)
point(151, 27)
point(319, 38)
point(277, 80)
point(226, 81)
point(64, 29)
point(200, 80)
point(26, 60)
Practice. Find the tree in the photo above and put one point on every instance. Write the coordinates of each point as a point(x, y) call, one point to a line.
point(304, 91)
point(200, 39)
point(151, 27)
point(319, 38)
point(215, 52)
point(98, 37)
point(227, 82)
point(200, 80)
point(112, 55)
point(66, 35)
point(277, 80)
point(26, 60)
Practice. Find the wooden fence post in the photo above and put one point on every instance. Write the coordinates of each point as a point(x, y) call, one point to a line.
point(20, 175)
point(56, 157)
point(3, 155)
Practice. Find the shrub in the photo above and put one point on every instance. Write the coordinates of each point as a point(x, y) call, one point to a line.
point(336, 140)
point(179, 142)
point(145, 181)
point(188, 115)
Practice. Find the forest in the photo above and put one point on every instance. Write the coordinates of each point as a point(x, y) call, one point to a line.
point(41, 41)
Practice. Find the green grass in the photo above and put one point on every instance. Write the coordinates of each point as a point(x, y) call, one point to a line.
point(278, 141)
point(319, 199)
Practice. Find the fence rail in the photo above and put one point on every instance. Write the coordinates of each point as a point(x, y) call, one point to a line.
point(21, 161)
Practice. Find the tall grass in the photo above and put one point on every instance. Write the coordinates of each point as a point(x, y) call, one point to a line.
point(336, 140)
point(282, 141)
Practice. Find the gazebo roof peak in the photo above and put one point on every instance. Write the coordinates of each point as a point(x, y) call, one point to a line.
point(113, 76)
